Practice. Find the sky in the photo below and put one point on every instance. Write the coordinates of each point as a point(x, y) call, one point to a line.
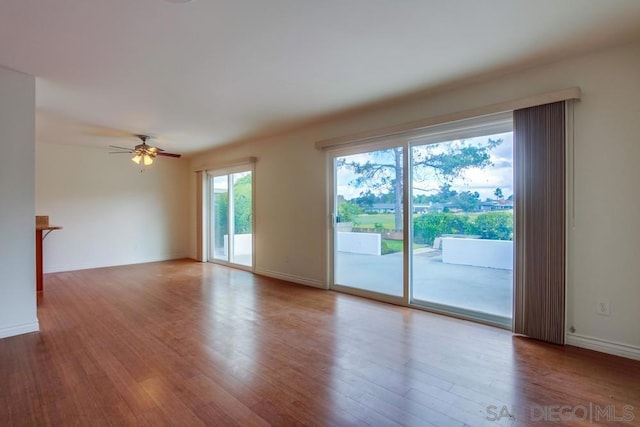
point(484, 181)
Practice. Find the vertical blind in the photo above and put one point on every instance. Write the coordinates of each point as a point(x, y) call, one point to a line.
point(539, 155)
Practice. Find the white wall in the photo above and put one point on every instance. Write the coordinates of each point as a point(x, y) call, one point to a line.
point(17, 214)
point(359, 243)
point(289, 206)
point(291, 185)
point(478, 252)
point(111, 213)
point(242, 244)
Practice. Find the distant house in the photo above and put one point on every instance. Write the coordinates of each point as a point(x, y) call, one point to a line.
point(427, 207)
point(496, 205)
point(418, 208)
point(381, 208)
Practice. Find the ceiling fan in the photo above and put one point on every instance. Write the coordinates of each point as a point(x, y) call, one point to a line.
point(143, 152)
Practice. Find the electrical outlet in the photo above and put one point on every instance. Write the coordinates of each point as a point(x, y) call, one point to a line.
point(602, 307)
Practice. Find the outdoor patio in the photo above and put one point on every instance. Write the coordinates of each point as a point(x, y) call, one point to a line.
point(487, 290)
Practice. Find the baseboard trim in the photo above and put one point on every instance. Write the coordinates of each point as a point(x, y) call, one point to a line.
point(617, 349)
point(91, 266)
point(291, 278)
point(19, 329)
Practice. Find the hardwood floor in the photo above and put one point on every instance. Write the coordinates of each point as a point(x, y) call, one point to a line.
point(186, 343)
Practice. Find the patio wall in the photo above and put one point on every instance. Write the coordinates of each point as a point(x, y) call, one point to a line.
point(242, 244)
point(359, 243)
point(478, 252)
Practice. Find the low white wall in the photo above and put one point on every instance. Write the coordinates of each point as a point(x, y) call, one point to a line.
point(359, 243)
point(242, 244)
point(478, 252)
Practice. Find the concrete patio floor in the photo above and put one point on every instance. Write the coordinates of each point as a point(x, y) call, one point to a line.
point(486, 290)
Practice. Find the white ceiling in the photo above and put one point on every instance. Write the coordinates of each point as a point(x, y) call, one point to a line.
point(211, 72)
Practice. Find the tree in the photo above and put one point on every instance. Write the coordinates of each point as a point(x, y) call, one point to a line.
point(468, 201)
point(220, 209)
point(444, 195)
point(490, 225)
point(242, 205)
point(428, 226)
point(495, 225)
point(465, 200)
point(365, 200)
point(498, 193)
point(242, 214)
point(385, 175)
point(348, 210)
point(444, 162)
point(421, 198)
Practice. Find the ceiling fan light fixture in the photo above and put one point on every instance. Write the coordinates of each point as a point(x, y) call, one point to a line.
point(143, 154)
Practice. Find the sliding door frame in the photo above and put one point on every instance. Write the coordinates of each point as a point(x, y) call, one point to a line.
point(437, 133)
point(478, 126)
point(332, 155)
point(229, 171)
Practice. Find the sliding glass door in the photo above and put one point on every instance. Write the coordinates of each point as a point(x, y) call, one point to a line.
point(449, 247)
point(231, 216)
point(462, 257)
point(368, 231)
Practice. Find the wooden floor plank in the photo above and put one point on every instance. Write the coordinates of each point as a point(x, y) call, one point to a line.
point(187, 343)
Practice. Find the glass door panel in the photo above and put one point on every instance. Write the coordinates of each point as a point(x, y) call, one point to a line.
point(231, 215)
point(242, 219)
point(368, 239)
point(219, 217)
point(462, 256)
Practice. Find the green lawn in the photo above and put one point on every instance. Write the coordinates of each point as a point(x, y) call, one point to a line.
point(397, 245)
point(391, 246)
point(370, 221)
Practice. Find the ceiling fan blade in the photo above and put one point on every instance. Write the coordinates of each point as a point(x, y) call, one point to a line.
point(154, 149)
point(169, 154)
point(129, 150)
point(119, 152)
